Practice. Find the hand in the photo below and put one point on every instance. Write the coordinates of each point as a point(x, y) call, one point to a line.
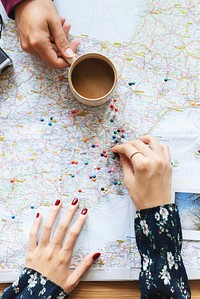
point(52, 258)
point(43, 33)
point(147, 171)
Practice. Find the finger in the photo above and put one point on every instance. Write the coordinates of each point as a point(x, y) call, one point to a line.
point(64, 223)
point(74, 231)
point(46, 52)
point(153, 143)
point(126, 166)
point(126, 148)
point(82, 268)
point(74, 44)
point(166, 152)
point(66, 28)
point(60, 40)
point(142, 147)
point(62, 20)
point(48, 225)
point(34, 233)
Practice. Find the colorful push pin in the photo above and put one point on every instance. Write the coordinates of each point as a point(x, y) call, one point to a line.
point(93, 145)
point(51, 118)
point(131, 83)
point(42, 119)
point(166, 79)
point(49, 123)
point(86, 163)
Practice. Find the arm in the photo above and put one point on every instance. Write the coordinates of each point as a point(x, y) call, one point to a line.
point(32, 284)
point(46, 274)
point(10, 6)
point(159, 241)
point(147, 175)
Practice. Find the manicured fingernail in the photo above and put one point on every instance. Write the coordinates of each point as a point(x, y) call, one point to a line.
point(57, 202)
point(37, 215)
point(84, 211)
point(74, 201)
point(69, 52)
point(96, 255)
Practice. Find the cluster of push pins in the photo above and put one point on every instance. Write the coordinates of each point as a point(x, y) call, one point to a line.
point(50, 122)
point(117, 135)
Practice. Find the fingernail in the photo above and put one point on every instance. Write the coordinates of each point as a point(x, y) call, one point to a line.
point(96, 255)
point(69, 52)
point(84, 211)
point(57, 202)
point(37, 215)
point(74, 201)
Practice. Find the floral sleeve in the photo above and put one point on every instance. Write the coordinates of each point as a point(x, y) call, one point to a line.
point(32, 284)
point(159, 241)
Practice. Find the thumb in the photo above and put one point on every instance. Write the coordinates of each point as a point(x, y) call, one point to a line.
point(82, 268)
point(61, 41)
point(127, 168)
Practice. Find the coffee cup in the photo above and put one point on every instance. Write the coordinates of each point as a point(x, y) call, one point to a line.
point(92, 78)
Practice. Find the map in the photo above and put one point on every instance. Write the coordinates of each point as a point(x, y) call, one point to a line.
point(52, 146)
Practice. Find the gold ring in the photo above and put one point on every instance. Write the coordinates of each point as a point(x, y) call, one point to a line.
point(134, 154)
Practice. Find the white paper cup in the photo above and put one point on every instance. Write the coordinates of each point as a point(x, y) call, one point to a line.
point(92, 79)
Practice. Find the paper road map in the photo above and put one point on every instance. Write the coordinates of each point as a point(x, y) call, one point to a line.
point(51, 145)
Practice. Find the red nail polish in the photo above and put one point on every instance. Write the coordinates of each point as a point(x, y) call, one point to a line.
point(37, 215)
point(96, 255)
point(57, 202)
point(74, 201)
point(84, 211)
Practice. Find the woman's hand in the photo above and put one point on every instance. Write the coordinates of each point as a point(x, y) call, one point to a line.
point(52, 257)
point(147, 171)
point(42, 33)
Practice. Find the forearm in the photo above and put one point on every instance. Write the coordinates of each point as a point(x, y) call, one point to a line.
point(9, 6)
point(159, 240)
point(32, 284)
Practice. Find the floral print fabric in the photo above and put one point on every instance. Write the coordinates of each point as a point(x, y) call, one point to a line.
point(159, 240)
point(32, 284)
point(163, 275)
